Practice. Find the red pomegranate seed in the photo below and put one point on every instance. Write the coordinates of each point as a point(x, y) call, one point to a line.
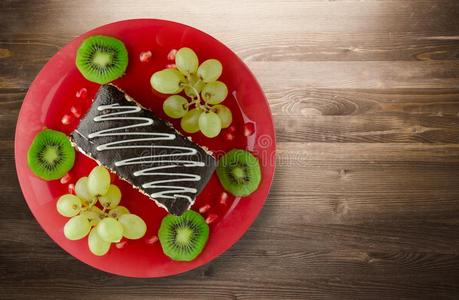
point(171, 54)
point(71, 188)
point(249, 129)
point(152, 240)
point(232, 128)
point(120, 245)
point(75, 111)
point(113, 177)
point(81, 93)
point(204, 209)
point(66, 178)
point(229, 136)
point(223, 198)
point(145, 56)
point(66, 119)
point(211, 218)
point(171, 66)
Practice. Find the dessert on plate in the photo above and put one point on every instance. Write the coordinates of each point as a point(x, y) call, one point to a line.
point(144, 150)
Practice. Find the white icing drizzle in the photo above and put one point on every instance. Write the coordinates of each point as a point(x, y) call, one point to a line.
point(167, 190)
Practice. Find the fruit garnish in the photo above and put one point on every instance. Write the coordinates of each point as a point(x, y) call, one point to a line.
point(50, 156)
point(183, 237)
point(105, 225)
point(201, 111)
point(239, 172)
point(102, 59)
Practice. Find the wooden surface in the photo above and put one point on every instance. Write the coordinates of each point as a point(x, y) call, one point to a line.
point(365, 201)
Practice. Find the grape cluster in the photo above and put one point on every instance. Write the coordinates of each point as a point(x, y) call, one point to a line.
point(202, 111)
point(105, 226)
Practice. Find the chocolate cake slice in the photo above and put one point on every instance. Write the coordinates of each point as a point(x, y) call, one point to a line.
point(143, 150)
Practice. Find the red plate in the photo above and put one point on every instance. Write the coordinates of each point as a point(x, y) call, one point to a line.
point(59, 93)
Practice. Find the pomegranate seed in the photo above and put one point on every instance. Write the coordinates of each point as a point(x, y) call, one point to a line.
point(171, 54)
point(204, 208)
point(145, 56)
point(224, 198)
point(232, 128)
point(71, 188)
point(229, 136)
point(75, 111)
point(211, 218)
point(66, 178)
point(152, 240)
point(249, 129)
point(66, 119)
point(171, 66)
point(81, 93)
point(121, 244)
point(113, 177)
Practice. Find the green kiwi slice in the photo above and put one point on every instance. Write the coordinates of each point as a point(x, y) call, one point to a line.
point(102, 59)
point(239, 172)
point(183, 237)
point(50, 155)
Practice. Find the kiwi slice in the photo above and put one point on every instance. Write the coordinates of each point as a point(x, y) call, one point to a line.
point(239, 172)
point(102, 59)
point(50, 155)
point(183, 237)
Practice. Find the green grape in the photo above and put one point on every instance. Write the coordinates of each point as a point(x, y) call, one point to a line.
point(68, 205)
point(81, 190)
point(190, 121)
point(133, 226)
point(210, 70)
point(96, 210)
point(168, 81)
point(186, 61)
point(210, 124)
point(175, 106)
point(96, 244)
point(98, 181)
point(224, 113)
point(118, 211)
point(110, 230)
point(214, 92)
point(196, 85)
point(112, 198)
point(92, 216)
point(76, 228)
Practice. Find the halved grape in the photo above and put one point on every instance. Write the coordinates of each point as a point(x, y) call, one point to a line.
point(112, 198)
point(96, 244)
point(186, 60)
point(210, 124)
point(81, 190)
point(92, 216)
point(133, 226)
point(168, 81)
point(76, 228)
point(98, 181)
point(214, 92)
point(110, 230)
point(175, 106)
point(68, 205)
point(224, 113)
point(190, 121)
point(196, 85)
point(210, 70)
point(118, 212)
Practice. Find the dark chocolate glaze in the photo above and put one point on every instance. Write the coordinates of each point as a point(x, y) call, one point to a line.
point(109, 94)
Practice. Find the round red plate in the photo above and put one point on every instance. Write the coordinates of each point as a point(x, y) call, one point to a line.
point(59, 95)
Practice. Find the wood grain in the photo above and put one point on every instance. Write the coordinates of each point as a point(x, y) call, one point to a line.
point(365, 200)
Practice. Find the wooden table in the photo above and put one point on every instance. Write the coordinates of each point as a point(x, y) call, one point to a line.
point(365, 201)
